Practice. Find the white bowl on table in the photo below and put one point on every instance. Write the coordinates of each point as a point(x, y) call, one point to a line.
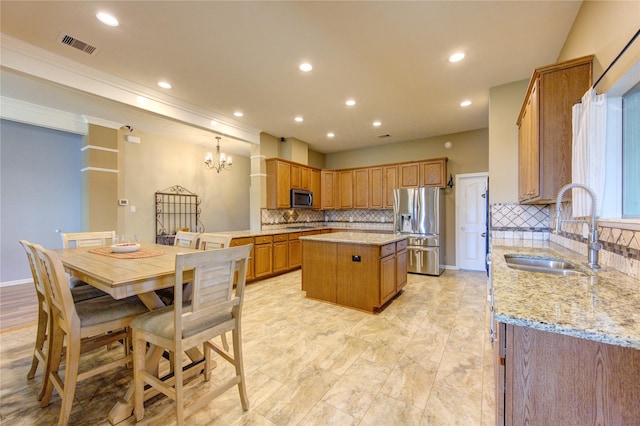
point(125, 247)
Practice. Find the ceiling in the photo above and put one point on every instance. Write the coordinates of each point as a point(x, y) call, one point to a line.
point(390, 56)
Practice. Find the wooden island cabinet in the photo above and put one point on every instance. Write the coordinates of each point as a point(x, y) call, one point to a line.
point(359, 270)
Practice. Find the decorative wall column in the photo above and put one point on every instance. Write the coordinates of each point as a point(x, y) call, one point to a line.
point(100, 179)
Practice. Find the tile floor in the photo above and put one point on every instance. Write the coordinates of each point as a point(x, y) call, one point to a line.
point(425, 360)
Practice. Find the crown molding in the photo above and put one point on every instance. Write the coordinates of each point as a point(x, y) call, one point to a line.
point(38, 115)
point(31, 60)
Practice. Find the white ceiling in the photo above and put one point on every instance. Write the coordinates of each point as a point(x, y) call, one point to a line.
point(220, 56)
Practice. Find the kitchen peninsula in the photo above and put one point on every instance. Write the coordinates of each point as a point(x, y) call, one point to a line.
point(359, 270)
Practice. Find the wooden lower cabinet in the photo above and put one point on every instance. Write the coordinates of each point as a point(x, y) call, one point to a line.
point(295, 250)
point(545, 378)
point(235, 242)
point(263, 249)
point(280, 253)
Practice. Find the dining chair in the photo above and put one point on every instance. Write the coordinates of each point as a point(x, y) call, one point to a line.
point(214, 309)
point(84, 326)
point(78, 294)
point(207, 241)
point(86, 239)
point(186, 239)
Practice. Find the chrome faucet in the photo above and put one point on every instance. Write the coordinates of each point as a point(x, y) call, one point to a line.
point(593, 244)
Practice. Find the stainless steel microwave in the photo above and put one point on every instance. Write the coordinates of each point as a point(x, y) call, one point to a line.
point(301, 199)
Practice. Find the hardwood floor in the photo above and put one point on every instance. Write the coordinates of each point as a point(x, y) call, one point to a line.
point(424, 360)
point(17, 306)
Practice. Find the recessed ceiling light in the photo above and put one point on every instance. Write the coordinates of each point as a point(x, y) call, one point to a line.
point(238, 114)
point(465, 103)
point(456, 57)
point(214, 123)
point(306, 67)
point(164, 85)
point(330, 134)
point(377, 123)
point(107, 19)
point(299, 119)
point(350, 102)
point(142, 100)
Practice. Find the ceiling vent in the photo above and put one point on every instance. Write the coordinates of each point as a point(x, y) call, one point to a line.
point(77, 44)
point(386, 135)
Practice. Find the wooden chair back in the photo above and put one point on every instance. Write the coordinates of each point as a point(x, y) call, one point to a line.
point(213, 241)
point(35, 273)
point(213, 283)
point(186, 239)
point(88, 239)
point(57, 290)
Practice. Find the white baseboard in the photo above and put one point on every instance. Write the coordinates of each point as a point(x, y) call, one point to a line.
point(15, 282)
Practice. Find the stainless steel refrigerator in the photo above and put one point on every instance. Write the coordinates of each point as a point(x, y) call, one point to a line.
point(419, 213)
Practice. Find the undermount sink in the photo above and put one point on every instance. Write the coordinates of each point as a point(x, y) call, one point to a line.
point(541, 264)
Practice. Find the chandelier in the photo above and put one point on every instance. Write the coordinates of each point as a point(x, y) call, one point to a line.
point(220, 161)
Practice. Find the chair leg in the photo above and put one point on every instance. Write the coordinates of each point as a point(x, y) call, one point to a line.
point(139, 352)
point(41, 337)
point(177, 371)
point(70, 379)
point(239, 364)
point(225, 344)
point(54, 357)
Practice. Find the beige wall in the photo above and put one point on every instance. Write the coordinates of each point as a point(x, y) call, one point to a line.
point(603, 28)
point(159, 163)
point(504, 106)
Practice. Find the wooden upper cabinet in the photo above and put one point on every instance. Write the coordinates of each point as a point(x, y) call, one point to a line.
point(316, 188)
point(345, 185)
point(361, 188)
point(376, 187)
point(528, 152)
point(389, 183)
point(329, 189)
point(545, 128)
point(409, 175)
point(296, 182)
point(278, 184)
point(434, 172)
point(305, 178)
point(283, 176)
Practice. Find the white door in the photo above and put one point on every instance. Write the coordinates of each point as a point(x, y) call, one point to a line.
point(471, 212)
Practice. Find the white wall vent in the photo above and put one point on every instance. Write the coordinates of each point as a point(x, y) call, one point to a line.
point(78, 44)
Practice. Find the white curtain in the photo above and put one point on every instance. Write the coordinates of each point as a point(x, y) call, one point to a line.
point(589, 151)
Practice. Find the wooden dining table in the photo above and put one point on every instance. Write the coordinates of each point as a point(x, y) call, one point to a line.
point(122, 275)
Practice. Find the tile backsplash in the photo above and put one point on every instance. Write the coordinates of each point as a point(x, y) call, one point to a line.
point(519, 221)
point(356, 219)
point(621, 246)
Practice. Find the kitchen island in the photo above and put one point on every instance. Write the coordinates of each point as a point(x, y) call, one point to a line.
point(567, 348)
point(359, 270)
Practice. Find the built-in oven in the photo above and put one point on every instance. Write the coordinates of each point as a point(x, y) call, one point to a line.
point(301, 199)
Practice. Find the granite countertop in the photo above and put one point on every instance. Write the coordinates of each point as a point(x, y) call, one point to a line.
point(260, 233)
point(376, 239)
point(602, 306)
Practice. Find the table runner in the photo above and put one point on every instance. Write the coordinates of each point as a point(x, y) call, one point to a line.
point(142, 253)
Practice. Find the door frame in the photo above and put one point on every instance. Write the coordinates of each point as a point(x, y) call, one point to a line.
point(459, 209)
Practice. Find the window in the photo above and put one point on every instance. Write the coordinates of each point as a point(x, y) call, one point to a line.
point(631, 153)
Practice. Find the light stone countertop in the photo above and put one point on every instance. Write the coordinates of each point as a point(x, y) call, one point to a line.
point(260, 233)
point(366, 238)
point(601, 306)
